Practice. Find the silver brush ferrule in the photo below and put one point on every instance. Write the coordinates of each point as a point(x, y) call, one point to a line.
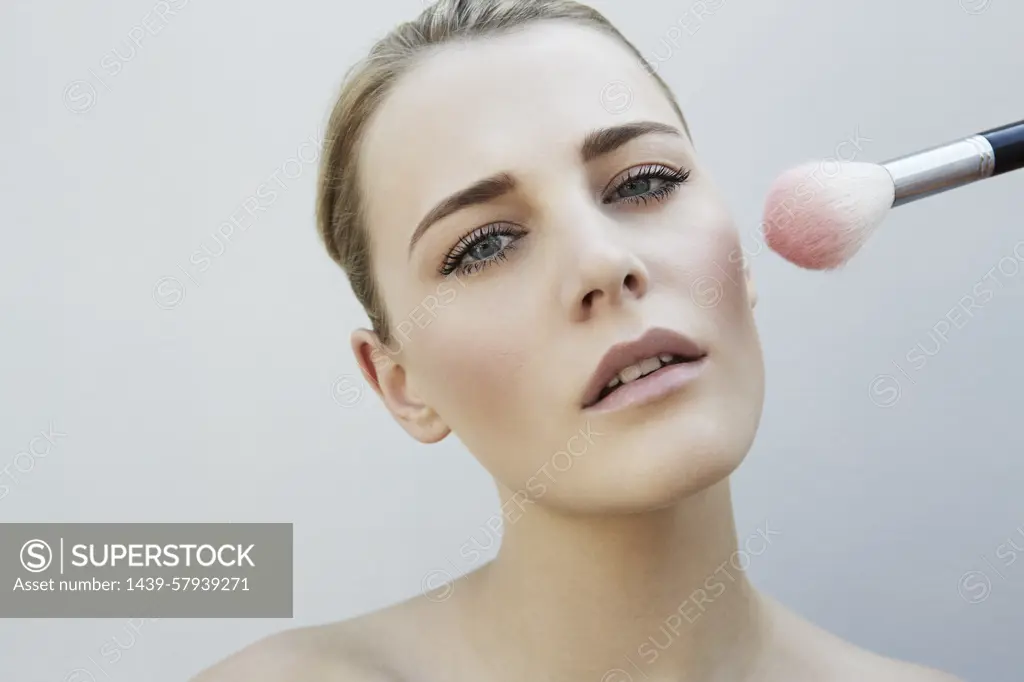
point(940, 169)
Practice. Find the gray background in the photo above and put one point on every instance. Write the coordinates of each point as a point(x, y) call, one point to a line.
point(242, 402)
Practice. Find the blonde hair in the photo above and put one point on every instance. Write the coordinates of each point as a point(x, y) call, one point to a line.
point(340, 218)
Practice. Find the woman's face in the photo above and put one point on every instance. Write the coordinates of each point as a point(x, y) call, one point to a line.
point(504, 305)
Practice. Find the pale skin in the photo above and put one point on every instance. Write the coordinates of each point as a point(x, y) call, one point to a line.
point(625, 565)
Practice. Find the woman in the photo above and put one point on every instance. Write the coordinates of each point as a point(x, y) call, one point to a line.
point(551, 275)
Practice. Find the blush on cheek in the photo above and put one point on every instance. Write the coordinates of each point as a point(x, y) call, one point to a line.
point(728, 257)
point(702, 240)
point(716, 280)
point(703, 255)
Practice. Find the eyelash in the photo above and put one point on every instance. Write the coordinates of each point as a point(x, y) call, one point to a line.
point(453, 261)
point(673, 179)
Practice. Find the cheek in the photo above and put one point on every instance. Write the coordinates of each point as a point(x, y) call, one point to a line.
point(480, 377)
point(721, 291)
point(472, 366)
point(703, 264)
point(724, 300)
point(723, 267)
point(702, 255)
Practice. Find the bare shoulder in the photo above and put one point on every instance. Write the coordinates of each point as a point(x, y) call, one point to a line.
point(374, 647)
point(891, 670)
point(332, 653)
point(855, 664)
point(860, 664)
point(815, 653)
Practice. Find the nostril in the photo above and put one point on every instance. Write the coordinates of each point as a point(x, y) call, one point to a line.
point(632, 283)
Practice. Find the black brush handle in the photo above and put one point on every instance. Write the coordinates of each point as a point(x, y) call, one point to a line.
point(1008, 144)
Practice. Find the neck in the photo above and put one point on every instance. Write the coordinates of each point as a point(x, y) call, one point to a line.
point(657, 595)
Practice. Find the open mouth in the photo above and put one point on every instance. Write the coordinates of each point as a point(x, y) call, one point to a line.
point(657, 363)
point(640, 370)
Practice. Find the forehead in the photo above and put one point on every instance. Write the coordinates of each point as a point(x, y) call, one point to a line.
point(513, 102)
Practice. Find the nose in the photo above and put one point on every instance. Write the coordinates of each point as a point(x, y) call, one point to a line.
point(607, 274)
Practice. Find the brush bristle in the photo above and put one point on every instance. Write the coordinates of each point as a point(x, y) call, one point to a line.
point(818, 221)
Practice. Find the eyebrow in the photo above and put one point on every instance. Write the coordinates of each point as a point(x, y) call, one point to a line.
point(597, 143)
point(606, 140)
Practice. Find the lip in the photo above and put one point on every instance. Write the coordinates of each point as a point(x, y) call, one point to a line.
point(656, 341)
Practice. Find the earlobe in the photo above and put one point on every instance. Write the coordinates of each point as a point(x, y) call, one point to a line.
point(382, 370)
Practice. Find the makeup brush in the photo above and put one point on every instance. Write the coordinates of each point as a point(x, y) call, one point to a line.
point(821, 224)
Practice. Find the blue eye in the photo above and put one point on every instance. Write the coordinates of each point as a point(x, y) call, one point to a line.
point(481, 248)
point(488, 247)
point(647, 183)
point(492, 243)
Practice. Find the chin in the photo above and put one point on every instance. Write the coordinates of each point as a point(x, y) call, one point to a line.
point(663, 457)
point(656, 465)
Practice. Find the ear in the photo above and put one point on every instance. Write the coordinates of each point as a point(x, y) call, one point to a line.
point(382, 370)
point(749, 280)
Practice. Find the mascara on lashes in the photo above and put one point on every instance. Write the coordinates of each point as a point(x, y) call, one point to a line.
point(452, 261)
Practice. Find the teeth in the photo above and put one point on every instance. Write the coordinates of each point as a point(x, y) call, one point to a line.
point(642, 368)
point(633, 372)
point(649, 365)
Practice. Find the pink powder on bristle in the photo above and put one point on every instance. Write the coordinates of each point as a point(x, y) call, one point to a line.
point(825, 225)
point(809, 236)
